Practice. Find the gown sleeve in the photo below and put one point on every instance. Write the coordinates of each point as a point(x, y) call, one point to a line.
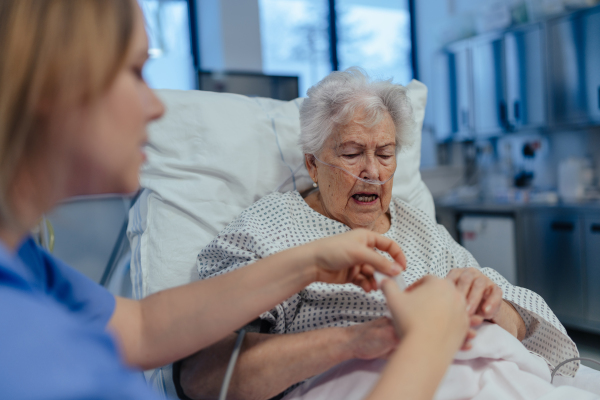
point(241, 243)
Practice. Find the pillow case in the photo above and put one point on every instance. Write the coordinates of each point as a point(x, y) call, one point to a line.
point(210, 157)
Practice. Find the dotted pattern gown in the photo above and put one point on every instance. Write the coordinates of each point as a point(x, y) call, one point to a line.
point(280, 221)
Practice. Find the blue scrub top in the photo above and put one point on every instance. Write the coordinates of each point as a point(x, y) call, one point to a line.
point(53, 338)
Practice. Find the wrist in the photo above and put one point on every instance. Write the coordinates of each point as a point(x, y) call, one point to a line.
point(431, 346)
point(301, 260)
point(518, 323)
point(344, 344)
point(509, 319)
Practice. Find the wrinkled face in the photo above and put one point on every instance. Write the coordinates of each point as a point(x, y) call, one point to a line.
point(103, 141)
point(367, 152)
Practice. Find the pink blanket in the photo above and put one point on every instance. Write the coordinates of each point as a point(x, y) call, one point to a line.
point(497, 367)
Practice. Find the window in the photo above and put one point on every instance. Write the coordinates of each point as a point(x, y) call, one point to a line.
point(171, 64)
point(375, 35)
point(372, 34)
point(295, 39)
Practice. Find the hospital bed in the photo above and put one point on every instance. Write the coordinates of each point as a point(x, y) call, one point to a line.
point(208, 159)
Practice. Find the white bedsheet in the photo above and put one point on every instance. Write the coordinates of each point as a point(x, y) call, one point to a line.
point(497, 367)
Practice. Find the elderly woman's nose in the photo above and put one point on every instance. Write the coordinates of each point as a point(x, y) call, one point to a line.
point(371, 168)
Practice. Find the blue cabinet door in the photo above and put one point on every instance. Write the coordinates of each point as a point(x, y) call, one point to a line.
point(592, 255)
point(554, 267)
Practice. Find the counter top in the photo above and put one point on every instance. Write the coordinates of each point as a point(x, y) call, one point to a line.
point(491, 207)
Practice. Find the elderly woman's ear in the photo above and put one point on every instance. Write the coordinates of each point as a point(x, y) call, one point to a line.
point(311, 166)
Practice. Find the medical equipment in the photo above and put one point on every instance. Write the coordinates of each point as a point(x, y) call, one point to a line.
point(369, 181)
point(231, 365)
point(555, 370)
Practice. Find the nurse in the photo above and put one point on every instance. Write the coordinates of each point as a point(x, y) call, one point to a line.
point(73, 114)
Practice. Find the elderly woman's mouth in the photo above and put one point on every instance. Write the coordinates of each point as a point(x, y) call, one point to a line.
point(365, 198)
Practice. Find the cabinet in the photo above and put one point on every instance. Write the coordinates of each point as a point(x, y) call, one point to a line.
point(489, 104)
point(530, 77)
point(439, 94)
point(459, 61)
point(592, 265)
point(525, 78)
point(566, 75)
point(497, 83)
point(557, 253)
point(591, 26)
point(554, 267)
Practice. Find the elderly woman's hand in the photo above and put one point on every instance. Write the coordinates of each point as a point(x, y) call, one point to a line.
point(484, 297)
point(350, 258)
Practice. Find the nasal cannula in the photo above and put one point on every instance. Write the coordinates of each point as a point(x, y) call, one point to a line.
point(369, 181)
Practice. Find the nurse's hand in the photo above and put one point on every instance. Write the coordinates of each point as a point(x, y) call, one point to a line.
point(350, 258)
point(431, 308)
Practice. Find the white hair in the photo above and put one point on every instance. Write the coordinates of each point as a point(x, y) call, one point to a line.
point(335, 100)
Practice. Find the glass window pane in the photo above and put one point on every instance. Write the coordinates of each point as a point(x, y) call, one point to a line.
point(295, 39)
point(375, 35)
point(171, 64)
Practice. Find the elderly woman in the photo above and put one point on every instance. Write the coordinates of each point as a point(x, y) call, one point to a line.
point(352, 129)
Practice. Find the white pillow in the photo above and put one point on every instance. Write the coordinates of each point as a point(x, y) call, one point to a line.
point(210, 157)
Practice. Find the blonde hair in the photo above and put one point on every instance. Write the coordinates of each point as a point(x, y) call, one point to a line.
point(55, 54)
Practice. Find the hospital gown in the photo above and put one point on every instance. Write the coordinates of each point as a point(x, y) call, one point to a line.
point(280, 221)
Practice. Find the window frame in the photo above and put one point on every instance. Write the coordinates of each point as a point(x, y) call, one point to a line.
point(332, 29)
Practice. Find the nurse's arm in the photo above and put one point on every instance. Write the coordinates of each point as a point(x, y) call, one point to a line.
point(172, 324)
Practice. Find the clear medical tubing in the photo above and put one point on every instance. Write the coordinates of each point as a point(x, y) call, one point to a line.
point(568, 361)
point(369, 181)
point(231, 365)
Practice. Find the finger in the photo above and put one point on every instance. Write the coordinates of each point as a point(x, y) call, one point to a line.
point(353, 272)
point(367, 270)
point(369, 273)
point(366, 283)
point(467, 345)
point(420, 282)
point(475, 320)
point(366, 255)
point(360, 280)
point(454, 274)
point(372, 283)
point(475, 296)
point(391, 291)
point(492, 303)
point(463, 284)
point(394, 297)
point(389, 246)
